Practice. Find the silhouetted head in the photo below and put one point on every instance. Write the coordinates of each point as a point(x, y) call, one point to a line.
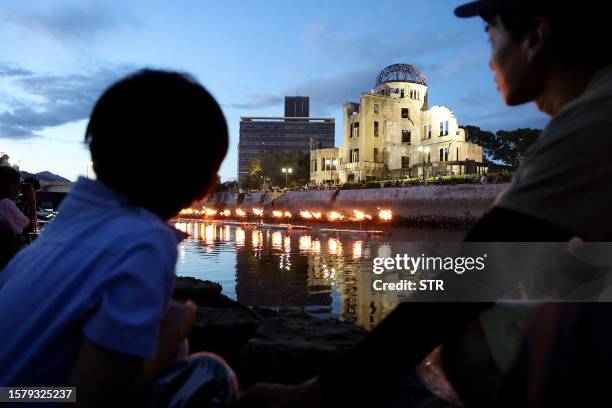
point(532, 38)
point(33, 182)
point(158, 138)
point(10, 181)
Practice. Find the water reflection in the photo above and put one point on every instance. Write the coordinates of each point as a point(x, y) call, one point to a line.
point(327, 275)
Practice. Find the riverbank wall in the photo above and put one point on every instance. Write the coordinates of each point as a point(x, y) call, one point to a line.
point(461, 204)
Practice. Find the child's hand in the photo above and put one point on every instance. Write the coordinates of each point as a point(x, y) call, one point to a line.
point(175, 325)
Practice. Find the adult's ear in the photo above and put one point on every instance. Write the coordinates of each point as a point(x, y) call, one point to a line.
point(536, 39)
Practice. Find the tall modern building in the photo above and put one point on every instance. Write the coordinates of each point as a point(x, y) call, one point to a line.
point(260, 134)
point(394, 133)
point(297, 106)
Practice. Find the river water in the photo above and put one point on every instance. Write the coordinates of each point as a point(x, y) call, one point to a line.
point(326, 273)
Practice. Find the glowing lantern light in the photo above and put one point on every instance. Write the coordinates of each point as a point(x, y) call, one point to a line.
point(305, 243)
point(210, 212)
point(226, 213)
point(240, 237)
point(385, 215)
point(277, 214)
point(306, 215)
point(357, 249)
point(258, 212)
point(316, 215)
point(335, 216)
point(277, 239)
point(360, 215)
point(287, 214)
point(240, 213)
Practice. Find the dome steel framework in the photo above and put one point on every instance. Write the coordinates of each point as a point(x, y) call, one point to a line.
point(401, 73)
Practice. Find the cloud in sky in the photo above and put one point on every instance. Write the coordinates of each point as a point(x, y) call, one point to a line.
point(381, 45)
point(68, 23)
point(55, 100)
point(258, 101)
point(10, 70)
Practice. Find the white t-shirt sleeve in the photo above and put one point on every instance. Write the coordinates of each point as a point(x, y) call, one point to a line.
point(12, 217)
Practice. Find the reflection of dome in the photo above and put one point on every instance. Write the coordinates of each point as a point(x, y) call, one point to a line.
point(401, 73)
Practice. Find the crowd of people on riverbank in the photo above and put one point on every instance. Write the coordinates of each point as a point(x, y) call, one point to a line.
point(18, 217)
point(87, 304)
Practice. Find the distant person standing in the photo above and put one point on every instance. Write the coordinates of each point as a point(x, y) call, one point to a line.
point(27, 204)
point(12, 220)
point(4, 160)
point(484, 178)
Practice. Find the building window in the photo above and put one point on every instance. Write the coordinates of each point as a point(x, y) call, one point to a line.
point(401, 93)
point(356, 129)
point(375, 155)
point(411, 94)
point(375, 129)
point(351, 132)
point(428, 131)
point(376, 108)
point(405, 136)
point(356, 155)
point(444, 128)
point(322, 164)
point(444, 154)
point(458, 155)
point(405, 162)
point(405, 113)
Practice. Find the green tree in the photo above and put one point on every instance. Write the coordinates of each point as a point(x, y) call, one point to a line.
point(504, 146)
point(270, 164)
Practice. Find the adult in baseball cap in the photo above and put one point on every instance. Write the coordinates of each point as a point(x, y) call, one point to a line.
point(541, 51)
point(554, 54)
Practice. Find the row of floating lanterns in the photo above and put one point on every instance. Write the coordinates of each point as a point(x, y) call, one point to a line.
point(357, 215)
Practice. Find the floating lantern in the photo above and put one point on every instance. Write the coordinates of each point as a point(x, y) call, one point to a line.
point(335, 216)
point(385, 215)
point(307, 215)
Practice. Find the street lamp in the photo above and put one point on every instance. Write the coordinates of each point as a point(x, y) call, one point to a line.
point(287, 171)
point(423, 150)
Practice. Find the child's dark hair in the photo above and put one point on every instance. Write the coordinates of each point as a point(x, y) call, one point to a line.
point(8, 175)
point(158, 138)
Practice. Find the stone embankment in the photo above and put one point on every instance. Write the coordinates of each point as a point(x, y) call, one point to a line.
point(461, 204)
point(285, 346)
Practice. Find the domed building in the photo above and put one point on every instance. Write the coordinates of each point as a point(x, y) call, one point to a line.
point(393, 133)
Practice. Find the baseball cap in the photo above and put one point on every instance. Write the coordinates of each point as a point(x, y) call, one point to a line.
point(484, 7)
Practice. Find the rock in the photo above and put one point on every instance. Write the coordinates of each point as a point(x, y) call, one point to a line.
point(223, 331)
point(294, 346)
point(203, 293)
